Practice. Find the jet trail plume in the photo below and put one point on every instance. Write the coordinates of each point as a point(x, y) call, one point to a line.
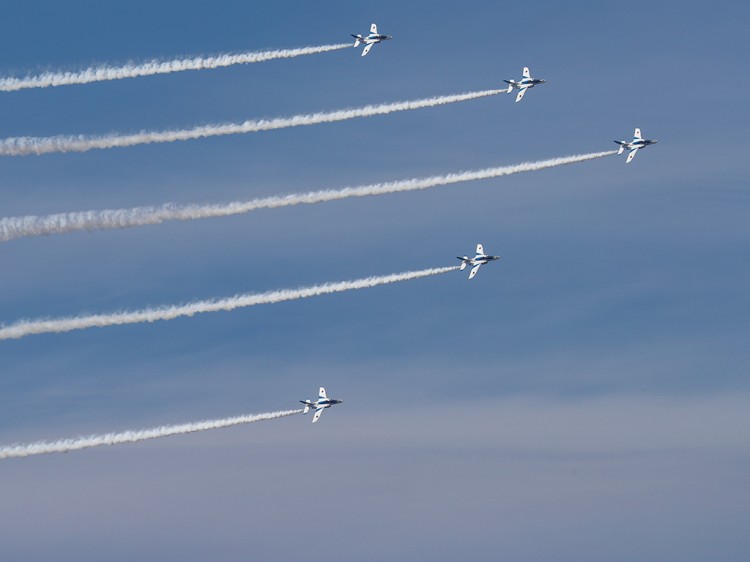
point(132, 436)
point(67, 324)
point(62, 223)
point(23, 146)
point(149, 68)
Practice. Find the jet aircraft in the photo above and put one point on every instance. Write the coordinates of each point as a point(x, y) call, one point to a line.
point(370, 40)
point(320, 404)
point(477, 261)
point(526, 82)
point(633, 146)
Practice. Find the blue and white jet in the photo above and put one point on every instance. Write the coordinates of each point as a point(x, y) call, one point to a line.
point(370, 40)
point(477, 261)
point(524, 84)
point(633, 146)
point(320, 404)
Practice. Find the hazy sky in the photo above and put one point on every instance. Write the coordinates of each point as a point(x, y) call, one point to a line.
point(584, 398)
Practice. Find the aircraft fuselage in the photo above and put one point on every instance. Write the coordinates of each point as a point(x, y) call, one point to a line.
point(525, 83)
point(638, 143)
point(321, 403)
point(372, 38)
point(481, 260)
point(476, 260)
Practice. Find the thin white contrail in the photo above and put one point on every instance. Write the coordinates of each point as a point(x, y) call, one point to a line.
point(67, 324)
point(149, 68)
point(23, 146)
point(132, 436)
point(12, 228)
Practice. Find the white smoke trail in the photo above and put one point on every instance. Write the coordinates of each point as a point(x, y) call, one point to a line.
point(133, 436)
point(149, 68)
point(19, 227)
point(67, 324)
point(22, 146)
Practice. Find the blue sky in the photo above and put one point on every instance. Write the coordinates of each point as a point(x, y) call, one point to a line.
point(585, 398)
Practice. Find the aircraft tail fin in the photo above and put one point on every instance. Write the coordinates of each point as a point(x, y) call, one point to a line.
point(357, 39)
point(620, 150)
point(463, 262)
point(307, 406)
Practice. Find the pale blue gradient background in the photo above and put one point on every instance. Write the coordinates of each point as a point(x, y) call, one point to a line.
point(585, 398)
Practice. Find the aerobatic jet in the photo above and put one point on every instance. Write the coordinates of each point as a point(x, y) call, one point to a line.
point(524, 84)
point(320, 404)
point(633, 146)
point(477, 261)
point(370, 40)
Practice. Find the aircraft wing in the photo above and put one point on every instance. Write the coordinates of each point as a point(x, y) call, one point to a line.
point(474, 271)
point(374, 29)
point(480, 250)
point(521, 92)
point(316, 417)
point(526, 73)
point(637, 134)
point(367, 49)
point(322, 394)
point(631, 155)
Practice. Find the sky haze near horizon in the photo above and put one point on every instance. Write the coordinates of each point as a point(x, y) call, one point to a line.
point(584, 398)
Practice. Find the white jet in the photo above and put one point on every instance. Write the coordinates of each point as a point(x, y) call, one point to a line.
point(633, 146)
point(370, 40)
point(477, 261)
point(524, 84)
point(320, 404)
